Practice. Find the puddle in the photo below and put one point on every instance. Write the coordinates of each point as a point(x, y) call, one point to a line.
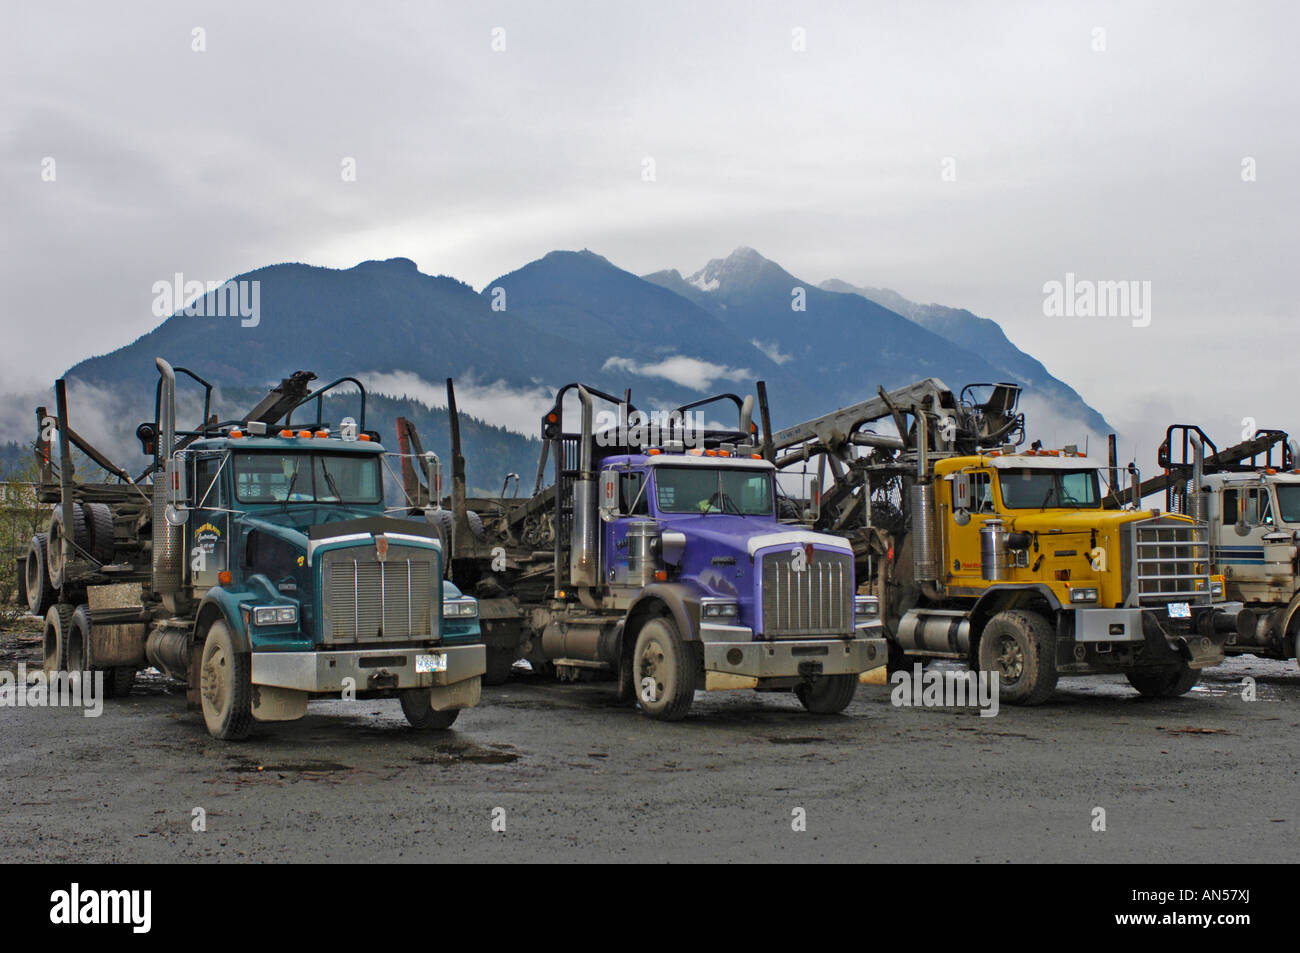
point(303, 767)
point(469, 754)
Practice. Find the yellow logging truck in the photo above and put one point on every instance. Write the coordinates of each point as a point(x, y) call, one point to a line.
point(1007, 558)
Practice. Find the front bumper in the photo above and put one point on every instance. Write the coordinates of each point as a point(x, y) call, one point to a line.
point(369, 669)
point(733, 651)
point(1197, 640)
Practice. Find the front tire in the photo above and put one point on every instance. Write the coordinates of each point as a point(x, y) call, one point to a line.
point(663, 671)
point(415, 706)
point(827, 694)
point(1019, 647)
point(1166, 682)
point(225, 686)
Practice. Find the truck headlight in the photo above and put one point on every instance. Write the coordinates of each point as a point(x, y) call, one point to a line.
point(719, 609)
point(275, 615)
point(461, 608)
point(1083, 595)
point(1216, 590)
point(866, 608)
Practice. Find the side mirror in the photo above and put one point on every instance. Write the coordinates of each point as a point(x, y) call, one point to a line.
point(178, 491)
point(814, 511)
point(961, 498)
point(609, 495)
point(433, 472)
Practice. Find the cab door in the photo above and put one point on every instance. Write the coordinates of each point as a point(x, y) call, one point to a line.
point(961, 549)
point(632, 504)
point(1247, 518)
point(207, 531)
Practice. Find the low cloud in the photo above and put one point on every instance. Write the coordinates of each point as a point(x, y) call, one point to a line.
point(687, 371)
point(773, 352)
point(518, 409)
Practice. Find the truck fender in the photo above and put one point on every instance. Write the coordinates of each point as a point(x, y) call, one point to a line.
point(1288, 617)
point(682, 602)
point(219, 604)
point(984, 606)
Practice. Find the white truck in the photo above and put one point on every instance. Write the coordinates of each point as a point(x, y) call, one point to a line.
point(1249, 495)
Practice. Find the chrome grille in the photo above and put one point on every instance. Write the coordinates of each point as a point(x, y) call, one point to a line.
point(1170, 562)
point(815, 601)
point(365, 600)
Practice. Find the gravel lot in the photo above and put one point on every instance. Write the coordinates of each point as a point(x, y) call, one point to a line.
point(1209, 777)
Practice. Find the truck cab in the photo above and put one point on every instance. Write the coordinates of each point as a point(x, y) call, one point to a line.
point(256, 561)
point(655, 557)
point(766, 601)
point(1254, 520)
point(289, 542)
point(1118, 590)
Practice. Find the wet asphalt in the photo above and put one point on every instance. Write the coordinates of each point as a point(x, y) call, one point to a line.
point(543, 771)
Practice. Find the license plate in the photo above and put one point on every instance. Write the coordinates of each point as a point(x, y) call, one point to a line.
point(1180, 610)
point(431, 663)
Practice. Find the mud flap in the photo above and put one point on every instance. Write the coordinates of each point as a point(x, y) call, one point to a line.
point(1201, 651)
point(1198, 651)
point(462, 694)
point(278, 704)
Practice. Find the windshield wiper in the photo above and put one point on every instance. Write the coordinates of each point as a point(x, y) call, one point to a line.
point(329, 480)
point(288, 491)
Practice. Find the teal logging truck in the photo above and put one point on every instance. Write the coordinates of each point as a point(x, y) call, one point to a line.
point(254, 560)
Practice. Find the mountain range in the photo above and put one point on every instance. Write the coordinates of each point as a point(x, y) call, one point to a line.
point(568, 316)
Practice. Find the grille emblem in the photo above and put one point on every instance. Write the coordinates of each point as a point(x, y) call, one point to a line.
point(381, 548)
point(808, 553)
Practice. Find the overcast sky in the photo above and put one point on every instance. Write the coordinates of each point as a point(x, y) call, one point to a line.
point(1106, 140)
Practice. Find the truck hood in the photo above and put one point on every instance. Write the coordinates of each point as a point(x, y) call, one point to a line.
point(724, 534)
point(1079, 521)
point(294, 521)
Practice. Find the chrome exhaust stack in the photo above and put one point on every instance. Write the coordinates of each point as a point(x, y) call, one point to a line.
point(1196, 502)
point(925, 558)
point(583, 540)
point(167, 555)
point(747, 418)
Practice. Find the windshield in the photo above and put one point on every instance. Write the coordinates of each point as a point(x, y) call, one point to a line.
point(701, 490)
point(1288, 502)
point(307, 478)
point(1031, 489)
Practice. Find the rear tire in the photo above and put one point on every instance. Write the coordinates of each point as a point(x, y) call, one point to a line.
point(827, 694)
point(1166, 682)
point(225, 686)
point(1019, 647)
point(663, 671)
point(79, 640)
point(415, 706)
point(40, 594)
point(54, 641)
point(898, 660)
point(499, 663)
point(118, 681)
